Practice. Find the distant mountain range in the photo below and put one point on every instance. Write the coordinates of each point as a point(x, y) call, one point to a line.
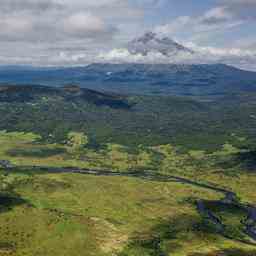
point(152, 42)
point(170, 79)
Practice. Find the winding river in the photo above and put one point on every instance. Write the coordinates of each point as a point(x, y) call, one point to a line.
point(229, 197)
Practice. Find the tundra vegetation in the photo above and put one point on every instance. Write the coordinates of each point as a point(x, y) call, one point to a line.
point(49, 212)
point(88, 173)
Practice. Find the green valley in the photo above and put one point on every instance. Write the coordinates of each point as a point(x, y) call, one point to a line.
point(85, 173)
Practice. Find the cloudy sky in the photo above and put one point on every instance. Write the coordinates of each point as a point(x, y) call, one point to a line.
point(77, 32)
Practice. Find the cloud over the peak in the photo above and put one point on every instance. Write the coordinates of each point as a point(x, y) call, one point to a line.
point(202, 55)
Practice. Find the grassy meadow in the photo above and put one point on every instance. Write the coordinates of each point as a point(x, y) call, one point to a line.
point(44, 213)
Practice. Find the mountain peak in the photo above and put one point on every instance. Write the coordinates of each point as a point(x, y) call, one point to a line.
point(152, 42)
point(148, 36)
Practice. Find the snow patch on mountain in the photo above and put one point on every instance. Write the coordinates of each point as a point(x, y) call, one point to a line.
point(154, 49)
point(151, 42)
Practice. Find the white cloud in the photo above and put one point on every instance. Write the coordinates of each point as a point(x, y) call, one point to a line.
point(203, 55)
point(175, 26)
point(227, 14)
point(51, 20)
point(213, 20)
point(14, 6)
point(216, 15)
point(242, 58)
point(244, 9)
point(230, 11)
point(65, 32)
point(85, 24)
point(52, 26)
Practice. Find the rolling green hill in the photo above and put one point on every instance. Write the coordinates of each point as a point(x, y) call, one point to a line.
point(129, 120)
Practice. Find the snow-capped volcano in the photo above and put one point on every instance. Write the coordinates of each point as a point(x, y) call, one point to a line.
point(152, 42)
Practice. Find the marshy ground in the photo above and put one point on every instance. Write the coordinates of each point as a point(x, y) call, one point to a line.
point(64, 199)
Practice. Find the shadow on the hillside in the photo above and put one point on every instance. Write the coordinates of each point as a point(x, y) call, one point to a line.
point(227, 252)
point(169, 235)
point(245, 161)
point(9, 200)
